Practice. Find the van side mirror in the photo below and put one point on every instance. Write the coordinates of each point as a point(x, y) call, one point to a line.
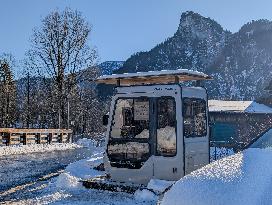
point(105, 120)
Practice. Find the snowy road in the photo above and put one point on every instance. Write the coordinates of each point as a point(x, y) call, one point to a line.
point(64, 188)
point(20, 169)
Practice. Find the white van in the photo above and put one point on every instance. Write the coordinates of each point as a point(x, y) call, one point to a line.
point(157, 128)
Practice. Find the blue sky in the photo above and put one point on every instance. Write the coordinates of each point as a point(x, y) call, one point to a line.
point(122, 27)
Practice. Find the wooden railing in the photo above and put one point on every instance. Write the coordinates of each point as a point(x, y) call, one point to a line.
point(12, 136)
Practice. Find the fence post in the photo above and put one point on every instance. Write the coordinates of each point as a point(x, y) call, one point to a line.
point(38, 138)
point(8, 139)
point(70, 137)
point(50, 138)
point(24, 138)
point(60, 137)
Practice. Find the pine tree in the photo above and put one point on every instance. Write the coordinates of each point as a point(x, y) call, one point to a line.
point(7, 95)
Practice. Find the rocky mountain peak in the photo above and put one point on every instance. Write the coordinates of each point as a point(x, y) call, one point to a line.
point(240, 62)
point(195, 25)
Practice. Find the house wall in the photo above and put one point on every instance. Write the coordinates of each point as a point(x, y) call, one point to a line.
point(247, 126)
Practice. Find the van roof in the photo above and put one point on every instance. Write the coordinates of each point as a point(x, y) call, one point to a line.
point(153, 77)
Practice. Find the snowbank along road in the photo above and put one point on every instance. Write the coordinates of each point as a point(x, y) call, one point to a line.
point(19, 169)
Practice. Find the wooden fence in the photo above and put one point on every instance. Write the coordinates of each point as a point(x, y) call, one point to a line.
point(12, 136)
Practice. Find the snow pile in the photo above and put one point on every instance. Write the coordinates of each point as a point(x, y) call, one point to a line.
point(68, 184)
point(67, 181)
point(145, 195)
point(264, 141)
point(243, 178)
point(258, 108)
point(80, 170)
point(85, 142)
point(34, 148)
point(158, 185)
point(155, 187)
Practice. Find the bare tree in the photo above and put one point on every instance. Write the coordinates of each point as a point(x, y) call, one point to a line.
point(59, 50)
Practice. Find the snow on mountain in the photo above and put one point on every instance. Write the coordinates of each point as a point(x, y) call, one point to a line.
point(240, 62)
point(245, 64)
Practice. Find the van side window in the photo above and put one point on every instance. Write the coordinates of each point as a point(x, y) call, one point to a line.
point(194, 117)
point(166, 127)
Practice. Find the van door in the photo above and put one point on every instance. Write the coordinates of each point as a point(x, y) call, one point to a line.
point(128, 146)
point(168, 153)
point(195, 128)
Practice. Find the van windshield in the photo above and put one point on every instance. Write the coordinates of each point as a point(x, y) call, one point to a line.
point(129, 136)
point(130, 139)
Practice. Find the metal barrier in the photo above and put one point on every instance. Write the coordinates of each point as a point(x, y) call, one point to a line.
point(220, 149)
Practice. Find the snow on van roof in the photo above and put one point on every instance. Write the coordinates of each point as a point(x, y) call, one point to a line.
point(238, 106)
point(152, 73)
point(153, 77)
point(243, 178)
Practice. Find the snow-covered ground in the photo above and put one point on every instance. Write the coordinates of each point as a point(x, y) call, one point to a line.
point(34, 148)
point(27, 168)
point(67, 188)
point(243, 178)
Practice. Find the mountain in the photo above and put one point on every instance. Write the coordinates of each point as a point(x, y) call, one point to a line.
point(240, 63)
point(108, 67)
point(85, 79)
point(195, 45)
point(244, 69)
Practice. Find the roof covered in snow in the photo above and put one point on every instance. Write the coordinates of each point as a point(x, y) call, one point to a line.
point(238, 106)
point(153, 77)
